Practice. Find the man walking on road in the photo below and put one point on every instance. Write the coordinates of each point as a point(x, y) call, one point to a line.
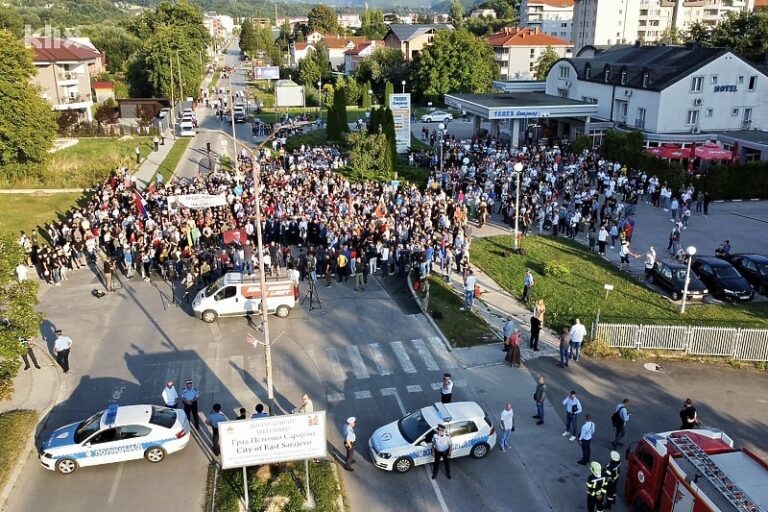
point(619, 420)
point(190, 396)
point(61, 348)
point(585, 439)
point(213, 420)
point(527, 285)
point(442, 445)
point(349, 442)
point(507, 426)
point(170, 395)
point(539, 397)
point(578, 331)
point(572, 411)
point(446, 391)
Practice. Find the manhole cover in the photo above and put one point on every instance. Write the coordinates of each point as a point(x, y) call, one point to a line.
point(652, 367)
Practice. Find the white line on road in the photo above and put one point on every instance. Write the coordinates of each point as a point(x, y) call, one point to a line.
point(116, 483)
point(363, 394)
point(402, 356)
point(414, 388)
point(436, 385)
point(358, 365)
point(378, 359)
point(438, 493)
point(438, 347)
point(421, 349)
point(333, 357)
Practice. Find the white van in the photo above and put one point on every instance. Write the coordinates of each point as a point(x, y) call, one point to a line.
point(187, 129)
point(237, 294)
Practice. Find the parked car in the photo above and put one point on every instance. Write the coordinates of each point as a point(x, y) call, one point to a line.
point(670, 275)
point(239, 114)
point(437, 115)
point(754, 268)
point(722, 279)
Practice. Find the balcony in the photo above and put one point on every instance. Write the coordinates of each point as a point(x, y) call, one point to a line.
point(75, 102)
point(67, 78)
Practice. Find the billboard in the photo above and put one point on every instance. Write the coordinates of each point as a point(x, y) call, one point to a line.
point(274, 439)
point(289, 94)
point(266, 73)
point(400, 104)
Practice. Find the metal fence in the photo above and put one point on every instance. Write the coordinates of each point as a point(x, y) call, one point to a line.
point(733, 342)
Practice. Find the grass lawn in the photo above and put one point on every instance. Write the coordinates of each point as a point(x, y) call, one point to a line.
point(89, 161)
point(275, 483)
point(27, 211)
point(574, 287)
point(17, 427)
point(171, 161)
point(214, 80)
point(462, 328)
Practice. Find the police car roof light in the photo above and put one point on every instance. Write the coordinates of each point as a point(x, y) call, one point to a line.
point(442, 412)
point(111, 414)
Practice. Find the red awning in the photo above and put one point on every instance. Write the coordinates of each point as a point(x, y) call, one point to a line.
point(713, 152)
point(671, 151)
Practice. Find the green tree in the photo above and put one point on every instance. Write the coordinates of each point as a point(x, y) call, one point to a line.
point(263, 41)
point(116, 43)
point(247, 36)
point(457, 61)
point(671, 36)
point(745, 33)
point(389, 90)
point(323, 19)
point(545, 62)
point(366, 96)
point(67, 121)
point(698, 33)
point(365, 155)
point(309, 72)
point(27, 123)
point(373, 26)
point(11, 20)
point(382, 66)
point(456, 12)
point(389, 132)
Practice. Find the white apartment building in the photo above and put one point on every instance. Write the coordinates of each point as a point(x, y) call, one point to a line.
point(553, 17)
point(658, 16)
point(604, 22)
point(517, 50)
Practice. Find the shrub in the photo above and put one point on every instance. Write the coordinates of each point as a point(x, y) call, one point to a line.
point(556, 270)
point(748, 181)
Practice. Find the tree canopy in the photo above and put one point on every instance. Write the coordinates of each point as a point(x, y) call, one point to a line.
point(117, 43)
point(382, 66)
point(745, 33)
point(373, 26)
point(323, 19)
point(545, 62)
point(457, 61)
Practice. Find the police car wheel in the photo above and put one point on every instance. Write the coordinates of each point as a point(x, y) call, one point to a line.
point(66, 466)
point(403, 465)
point(676, 295)
point(209, 316)
point(155, 454)
point(479, 451)
point(282, 311)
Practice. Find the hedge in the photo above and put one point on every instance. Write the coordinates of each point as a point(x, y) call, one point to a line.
point(747, 181)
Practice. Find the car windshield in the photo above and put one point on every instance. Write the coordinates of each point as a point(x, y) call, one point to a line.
point(163, 416)
point(89, 427)
point(763, 268)
point(413, 426)
point(679, 275)
point(212, 288)
point(726, 272)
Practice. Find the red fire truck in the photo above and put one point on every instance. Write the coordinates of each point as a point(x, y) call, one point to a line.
point(694, 471)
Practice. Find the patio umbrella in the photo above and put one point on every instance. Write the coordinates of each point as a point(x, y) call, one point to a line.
point(713, 152)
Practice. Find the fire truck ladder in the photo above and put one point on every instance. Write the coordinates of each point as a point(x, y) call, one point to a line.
point(707, 467)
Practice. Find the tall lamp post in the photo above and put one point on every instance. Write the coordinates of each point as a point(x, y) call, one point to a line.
point(403, 83)
point(691, 251)
point(441, 127)
point(320, 99)
point(518, 167)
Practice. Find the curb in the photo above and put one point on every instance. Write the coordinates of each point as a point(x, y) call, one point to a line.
point(424, 312)
point(13, 476)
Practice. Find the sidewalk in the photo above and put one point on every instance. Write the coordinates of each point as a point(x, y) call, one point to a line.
point(148, 167)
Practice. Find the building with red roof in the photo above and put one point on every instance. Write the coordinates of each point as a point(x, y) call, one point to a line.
point(517, 50)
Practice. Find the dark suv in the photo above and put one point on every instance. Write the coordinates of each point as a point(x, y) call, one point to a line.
point(754, 268)
point(722, 279)
point(670, 275)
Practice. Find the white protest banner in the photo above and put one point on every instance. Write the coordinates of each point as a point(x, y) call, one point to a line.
point(197, 201)
point(273, 439)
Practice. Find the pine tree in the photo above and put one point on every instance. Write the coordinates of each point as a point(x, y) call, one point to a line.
point(389, 131)
point(340, 109)
point(366, 96)
point(332, 126)
point(389, 90)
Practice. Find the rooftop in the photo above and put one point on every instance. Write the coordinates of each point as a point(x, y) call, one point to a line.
point(754, 136)
point(514, 36)
point(408, 32)
point(516, 100)
point(552, 3)
point(102, 85)
point(60, 50)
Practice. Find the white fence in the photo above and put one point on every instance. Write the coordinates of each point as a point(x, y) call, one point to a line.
point(733, 342)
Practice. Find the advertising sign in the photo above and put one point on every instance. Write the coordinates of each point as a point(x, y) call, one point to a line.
point(266, 73)
point(197, 201)
point(400, 104)
point(289, 94)
point(274, 439)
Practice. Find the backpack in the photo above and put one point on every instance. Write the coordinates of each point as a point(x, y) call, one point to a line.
point(616, 419)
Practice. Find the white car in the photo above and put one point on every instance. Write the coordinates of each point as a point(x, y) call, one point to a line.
point(407, 442)
point(116, 434)
point(187, 129)
point(437, 115)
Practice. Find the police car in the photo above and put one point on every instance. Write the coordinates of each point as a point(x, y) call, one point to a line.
point(407, 442)
point(116, 434)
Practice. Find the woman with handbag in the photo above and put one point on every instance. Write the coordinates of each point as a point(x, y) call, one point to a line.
point(513, 348)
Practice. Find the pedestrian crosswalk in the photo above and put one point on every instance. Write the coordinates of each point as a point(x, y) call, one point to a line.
point(347, 372)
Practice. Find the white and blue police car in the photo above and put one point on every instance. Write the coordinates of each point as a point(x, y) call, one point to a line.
point(407, 442)
point(116, 434)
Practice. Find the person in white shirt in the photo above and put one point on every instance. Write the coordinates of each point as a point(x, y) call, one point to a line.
point(469, 290)
point(572, 411)
point(306, 405)
point(442, 445)
point(21, 272)
point(61, 348)
point(585, 438)
point(578, 331)
point(446, 390)
point(170, 395)
point(507, 425)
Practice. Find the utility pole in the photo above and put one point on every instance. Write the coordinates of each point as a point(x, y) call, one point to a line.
point(173, 104)
point(232, 116)
point(178, 66)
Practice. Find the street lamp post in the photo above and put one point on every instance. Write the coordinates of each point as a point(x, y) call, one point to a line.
point(320, 99)
point(518, 169)
point(441, 127)
point(403, 82)
point(691, 251)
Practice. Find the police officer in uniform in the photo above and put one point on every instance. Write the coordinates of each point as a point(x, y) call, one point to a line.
point(595, 488)
point(214, 418)
point(61, 348)
point(189, 397)
point(442, 446)
point(611, 472)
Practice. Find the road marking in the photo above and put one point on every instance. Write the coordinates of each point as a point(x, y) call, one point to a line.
point(438, 347)
point(334, 397)
point(415, 388)
point(378, 359)
point(402, 356)
point(393, 392)
point(333, 357)
point(424, 354)
point(358, 365)
point(363, 394)
point(436, 385)
point(116, 483)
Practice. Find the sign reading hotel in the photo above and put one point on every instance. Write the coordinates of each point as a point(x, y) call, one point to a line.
point(400, 104)
point(274, 439)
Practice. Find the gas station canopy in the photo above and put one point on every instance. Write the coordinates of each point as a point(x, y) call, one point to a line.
point(520, 105)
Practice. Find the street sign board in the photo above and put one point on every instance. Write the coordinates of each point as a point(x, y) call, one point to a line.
point(400, 104)
point(273, 439)
point(266, 73)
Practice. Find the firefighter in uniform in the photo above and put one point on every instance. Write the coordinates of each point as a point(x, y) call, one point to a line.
point(611, 474)
point(595, 488)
